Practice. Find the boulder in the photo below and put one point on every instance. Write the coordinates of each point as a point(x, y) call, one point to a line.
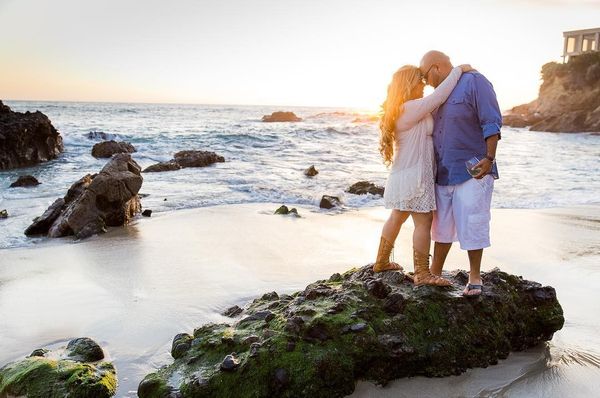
point(26, 139)
point(109, 198)
point(197, 158)
point(281, 117)
point(162, 166)
point(106, 149)
point(57, 374)
point(311, 171)
point(3, 213)
point(365, 187)
point(329, 202)
point(147, 213)
point(383, 328)
point(25, 181)
point(186, 159)
point(100, 135)
point(84, 349)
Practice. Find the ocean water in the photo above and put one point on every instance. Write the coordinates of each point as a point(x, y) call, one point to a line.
point(264, 161)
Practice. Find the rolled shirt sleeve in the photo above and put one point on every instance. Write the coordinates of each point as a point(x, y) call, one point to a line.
point(488, 111)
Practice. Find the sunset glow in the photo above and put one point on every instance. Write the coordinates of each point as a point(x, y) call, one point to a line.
point(331, 53)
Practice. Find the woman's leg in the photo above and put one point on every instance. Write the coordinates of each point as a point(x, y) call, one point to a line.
point(390, 231)
point(421, 246)
point(392, 226)
point(422, 234)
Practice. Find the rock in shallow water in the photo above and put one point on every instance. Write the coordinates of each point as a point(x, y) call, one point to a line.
point(365, 187)
point(329, 202)
point(108, 198)
point(186, 159)
point(281, 117)
point(106, 149)
point(383, 328)
point(25, 181)
point(58, 374)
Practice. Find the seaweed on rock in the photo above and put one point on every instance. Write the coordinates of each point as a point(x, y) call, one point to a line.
point(358, 325)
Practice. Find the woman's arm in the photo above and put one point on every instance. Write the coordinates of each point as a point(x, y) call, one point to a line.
point(416, 110)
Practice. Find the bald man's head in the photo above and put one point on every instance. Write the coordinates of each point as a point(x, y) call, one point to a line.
point(435, 67)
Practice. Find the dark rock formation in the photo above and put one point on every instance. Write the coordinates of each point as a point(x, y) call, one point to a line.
point(100, 135)
point(568, 101)
point(163, 166)
point(233, 311)
point(84, 349)
point(365, 187)
point(108, 198)
point(46, 374)
point(329, 202)
point(25, 181)
point(359, 325)
point(281, 117)
point(26, 139)
point(197, 158)
point(147, 213)
point(186, 159)
point(106, 149)
point(283, 209)
point(3, 214)
point(311, 171)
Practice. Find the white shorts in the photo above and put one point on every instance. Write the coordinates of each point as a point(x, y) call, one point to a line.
point(463, 213)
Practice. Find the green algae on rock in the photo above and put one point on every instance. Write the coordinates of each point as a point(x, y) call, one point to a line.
point(64, 373)
point(358, 325)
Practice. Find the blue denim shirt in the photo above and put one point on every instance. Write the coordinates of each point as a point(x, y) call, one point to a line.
point(469, 116)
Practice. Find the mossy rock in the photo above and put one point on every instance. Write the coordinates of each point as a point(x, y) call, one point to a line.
point(359, 325)
point(55, 376)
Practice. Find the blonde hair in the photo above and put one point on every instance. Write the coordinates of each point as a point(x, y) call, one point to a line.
point(398, 92)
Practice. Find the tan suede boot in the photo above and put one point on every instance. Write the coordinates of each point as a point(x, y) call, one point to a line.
point(422, 276)
point(383, 262)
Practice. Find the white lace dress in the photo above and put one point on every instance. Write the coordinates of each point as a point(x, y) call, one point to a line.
point(410, 184)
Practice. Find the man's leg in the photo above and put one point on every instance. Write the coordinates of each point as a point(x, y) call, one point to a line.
point(472, 209)
point(475, 273)
point(443, 230)
point(440, 252)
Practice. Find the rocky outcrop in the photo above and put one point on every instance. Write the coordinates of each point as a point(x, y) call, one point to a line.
point(365, 187)
point(359, 325)
point(109, 198)
point(26, 139)
point(25, 181)
point(106, 149)
point(329, 202)
point(311, 171)
point(568, 101)
point(74, 371)
point(3, 213)
point(186, 159)
point(281, 117)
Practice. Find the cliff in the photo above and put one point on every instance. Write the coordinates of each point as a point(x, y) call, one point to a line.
point(568, 101)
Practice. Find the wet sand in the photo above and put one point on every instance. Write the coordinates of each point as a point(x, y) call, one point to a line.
point(134, 288)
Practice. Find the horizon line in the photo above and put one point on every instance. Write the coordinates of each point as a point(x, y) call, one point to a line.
point(184, 103)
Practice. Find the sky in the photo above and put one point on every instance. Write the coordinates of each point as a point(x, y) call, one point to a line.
point(271, 52)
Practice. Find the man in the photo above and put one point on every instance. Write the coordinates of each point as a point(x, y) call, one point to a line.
point(467, 125)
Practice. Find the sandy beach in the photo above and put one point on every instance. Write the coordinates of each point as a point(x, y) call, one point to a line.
point(133, 288)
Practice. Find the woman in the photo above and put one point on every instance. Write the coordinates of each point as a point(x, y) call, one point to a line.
point(406, 143)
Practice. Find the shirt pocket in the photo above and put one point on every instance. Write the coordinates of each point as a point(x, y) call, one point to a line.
point(457, 108)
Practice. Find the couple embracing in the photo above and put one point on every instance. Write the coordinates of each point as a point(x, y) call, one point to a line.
point(442, 151)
